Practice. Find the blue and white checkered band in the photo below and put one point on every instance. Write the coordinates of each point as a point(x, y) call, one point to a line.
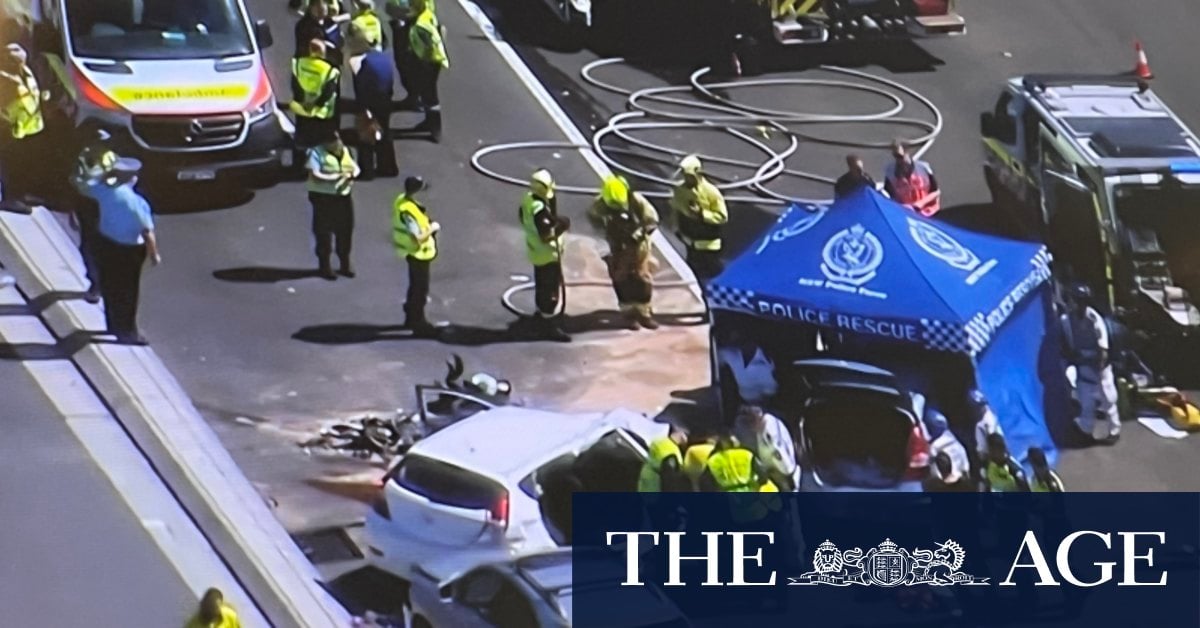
point(941, 336)
point(723, 298)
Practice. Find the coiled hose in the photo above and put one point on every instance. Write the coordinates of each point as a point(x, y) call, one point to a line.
point(647, 112)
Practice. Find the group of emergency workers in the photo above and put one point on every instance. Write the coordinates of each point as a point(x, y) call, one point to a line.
point(628, 221)
point(114, 220)
point(323, 50)
point(756, 456)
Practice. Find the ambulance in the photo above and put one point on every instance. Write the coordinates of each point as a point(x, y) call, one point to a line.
point(180, 84)
point(1109, 176)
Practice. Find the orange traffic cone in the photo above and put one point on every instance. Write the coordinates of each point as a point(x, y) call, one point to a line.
point(1142, 69)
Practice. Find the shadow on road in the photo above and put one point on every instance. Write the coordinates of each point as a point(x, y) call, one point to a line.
point(38, 304)
point(470, 336)
point(263, 274)
point(63, 349)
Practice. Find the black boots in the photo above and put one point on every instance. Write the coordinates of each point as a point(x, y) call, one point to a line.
point(325, 271)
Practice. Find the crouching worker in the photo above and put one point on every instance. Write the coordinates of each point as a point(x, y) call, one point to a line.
point(663, 470)
point(628, 220)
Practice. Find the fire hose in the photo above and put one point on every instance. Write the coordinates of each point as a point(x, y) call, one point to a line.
point(647, 113)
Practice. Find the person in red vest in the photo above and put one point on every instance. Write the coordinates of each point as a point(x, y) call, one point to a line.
point(911, 182)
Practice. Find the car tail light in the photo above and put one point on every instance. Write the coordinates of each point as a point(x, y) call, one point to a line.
point(91, 93)
point(918, 455)
point(499, 511)
point(932, 7)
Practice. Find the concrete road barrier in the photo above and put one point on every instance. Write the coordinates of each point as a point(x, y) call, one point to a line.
point(166, 426)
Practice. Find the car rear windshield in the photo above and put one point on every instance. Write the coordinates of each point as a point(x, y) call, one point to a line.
point(857, 440)
point(447, 484)
point(157, 29)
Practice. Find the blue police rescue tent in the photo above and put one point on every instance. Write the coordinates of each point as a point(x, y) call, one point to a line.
point(913, 295)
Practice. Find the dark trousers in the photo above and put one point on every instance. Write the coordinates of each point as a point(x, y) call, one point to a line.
point(89, 241)
point(22, 171)
point(427, 87)
point(404, 58)
point(704, 264)
point(380, 158)
point(121, 269)
point(547, 288)
point(418, 290)
point(312, 131)
point(332, 226)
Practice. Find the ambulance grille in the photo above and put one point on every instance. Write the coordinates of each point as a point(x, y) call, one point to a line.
point(189, 132)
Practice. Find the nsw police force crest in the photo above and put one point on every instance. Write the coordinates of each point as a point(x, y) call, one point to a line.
point(888, 565)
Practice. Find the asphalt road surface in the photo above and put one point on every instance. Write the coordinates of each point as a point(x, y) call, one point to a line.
point(71, 547)
point(961, 76)
point(267, 350)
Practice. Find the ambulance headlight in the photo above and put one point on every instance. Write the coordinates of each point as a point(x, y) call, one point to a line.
point(261, 111)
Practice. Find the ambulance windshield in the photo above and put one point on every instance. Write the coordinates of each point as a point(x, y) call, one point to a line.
point(1164, 222)
point(157, 29)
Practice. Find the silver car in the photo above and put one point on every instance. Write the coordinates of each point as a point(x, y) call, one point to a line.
point(531, 591)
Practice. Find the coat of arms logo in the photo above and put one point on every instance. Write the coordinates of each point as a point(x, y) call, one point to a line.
point(852, 256)
point(942, 245)
point(888, 565)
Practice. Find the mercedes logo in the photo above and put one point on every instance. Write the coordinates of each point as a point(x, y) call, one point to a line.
point(194, 129)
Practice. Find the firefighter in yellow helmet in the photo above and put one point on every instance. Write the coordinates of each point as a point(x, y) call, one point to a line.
point(628, 220)
point(700, 216)
point(25, 152)
point(545, 234)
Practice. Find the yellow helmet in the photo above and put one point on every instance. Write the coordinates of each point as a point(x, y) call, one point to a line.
point(690, 165)
point(542, 182)
point(615, 192)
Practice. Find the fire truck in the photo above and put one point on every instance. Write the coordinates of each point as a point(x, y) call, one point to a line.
point(794, 22)
point(1109, 176)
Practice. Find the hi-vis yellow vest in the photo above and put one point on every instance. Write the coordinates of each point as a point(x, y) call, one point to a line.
point(24, 111)
point(406, 244)
point(733, 470)
point(540, 252)
point(1000, 478)
point(695, 461)
point(330, 164)
point(650, 478)
point(425, 38)
point(313, 75)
